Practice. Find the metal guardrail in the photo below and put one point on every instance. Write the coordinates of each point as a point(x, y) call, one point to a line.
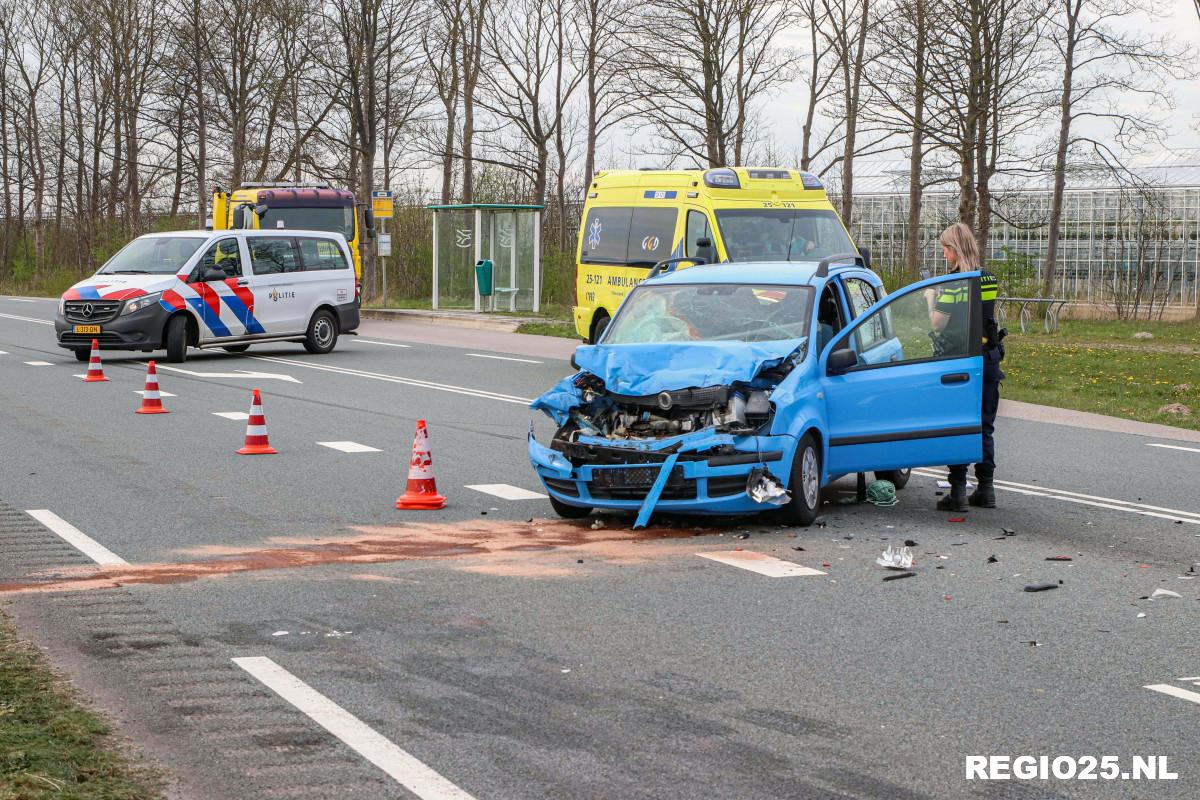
point(1053, 307)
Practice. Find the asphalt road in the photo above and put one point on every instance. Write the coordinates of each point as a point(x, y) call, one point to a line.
point(488, 650)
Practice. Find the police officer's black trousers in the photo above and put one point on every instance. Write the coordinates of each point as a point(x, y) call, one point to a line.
point(992, 376)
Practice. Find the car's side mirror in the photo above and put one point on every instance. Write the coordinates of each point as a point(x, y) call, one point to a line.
point(211, 274)
point(703, 243)
point(842, 360)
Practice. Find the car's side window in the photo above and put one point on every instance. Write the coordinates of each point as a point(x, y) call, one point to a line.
point(273, 255)
point(320, 254)
point(223, 255)
point(933, 323)
point(862, 295)
point(829, 316)
point(698, 229)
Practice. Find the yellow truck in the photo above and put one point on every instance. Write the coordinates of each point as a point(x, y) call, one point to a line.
point(634, 219)
point(293, 206)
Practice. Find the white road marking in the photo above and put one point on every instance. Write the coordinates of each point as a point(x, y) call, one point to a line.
point(350, 447)
point(3, 352)
point(1176, 447)
point(1113, 503)
point(762, 564)
point(234, 415)
point(39, 363)
point(23, 299)
point(28, 319)
point(160, 393)
point(441, 387)
point(506, 492)
point(410, 773)
point(505, 358)
point(241, 373)
point(385, 344)
point(76, 538)
point(1175, 691)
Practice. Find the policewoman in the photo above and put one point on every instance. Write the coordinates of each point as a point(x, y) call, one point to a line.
point(948, 316)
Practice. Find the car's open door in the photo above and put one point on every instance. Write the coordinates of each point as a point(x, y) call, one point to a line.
point(903, 384)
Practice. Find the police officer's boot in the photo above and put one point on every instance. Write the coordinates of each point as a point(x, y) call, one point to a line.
point(956, 499)
point(984, 495)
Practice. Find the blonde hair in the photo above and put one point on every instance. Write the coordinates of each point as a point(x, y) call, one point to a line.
point(961, 239)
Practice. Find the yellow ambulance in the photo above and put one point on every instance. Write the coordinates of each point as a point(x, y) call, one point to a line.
point(634, 219)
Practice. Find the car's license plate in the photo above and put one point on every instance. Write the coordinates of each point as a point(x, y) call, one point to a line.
point(87, 328)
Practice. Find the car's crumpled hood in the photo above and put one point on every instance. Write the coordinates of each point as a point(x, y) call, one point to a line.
point(119, 287)
point(644, 369)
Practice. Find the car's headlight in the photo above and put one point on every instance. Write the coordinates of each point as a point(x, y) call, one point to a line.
point(138, 303)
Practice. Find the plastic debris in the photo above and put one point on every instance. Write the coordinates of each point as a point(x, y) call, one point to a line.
point(899, 575)
point(597, 524)
point(896, 558)
point(765, 488)
point(1164, 593)
point(1058, 558)
point(743, 536)
point(1009, 532)
point(957, 519)
point(1142, 614)
point(280, 633)
point(1032, 643)
point(910, 542)
point(798, 548)
point(1041, 587)
point(993, 560)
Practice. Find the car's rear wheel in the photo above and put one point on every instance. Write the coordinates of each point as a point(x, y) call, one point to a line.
point(177, 339)
point(322, 333)
point(898, 477)
point(82, 355)
point(236, 348)
point(805, 484)
point(568, 511)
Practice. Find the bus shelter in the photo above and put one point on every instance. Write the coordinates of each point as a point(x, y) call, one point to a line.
point(507, 235)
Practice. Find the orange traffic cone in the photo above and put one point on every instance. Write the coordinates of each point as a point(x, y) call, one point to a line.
point(256, 431)
point(95, 372)
point(151, 399)
point(421, 491)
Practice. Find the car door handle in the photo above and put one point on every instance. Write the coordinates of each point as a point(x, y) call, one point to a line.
point(955, 377)
point(243, 282)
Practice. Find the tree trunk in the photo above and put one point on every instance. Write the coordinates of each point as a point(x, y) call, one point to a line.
point(1060, 153)
point(912, 244)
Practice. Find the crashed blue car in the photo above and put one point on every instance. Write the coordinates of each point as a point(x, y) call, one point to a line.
point(741, 387)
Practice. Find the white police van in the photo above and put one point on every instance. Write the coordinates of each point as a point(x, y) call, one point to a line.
point(226, 289)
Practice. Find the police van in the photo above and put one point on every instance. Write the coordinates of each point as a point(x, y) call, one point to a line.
point(634, 219)
point(227, 289)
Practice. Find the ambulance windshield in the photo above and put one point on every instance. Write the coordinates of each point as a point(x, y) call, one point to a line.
point(782, 234)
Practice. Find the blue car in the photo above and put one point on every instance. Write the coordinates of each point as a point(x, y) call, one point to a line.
point(742, 387)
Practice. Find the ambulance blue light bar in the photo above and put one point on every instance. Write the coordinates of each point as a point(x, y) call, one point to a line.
point(810, 181)
point(722, 179)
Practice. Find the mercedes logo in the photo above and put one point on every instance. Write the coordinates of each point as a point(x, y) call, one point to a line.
point(87, 310)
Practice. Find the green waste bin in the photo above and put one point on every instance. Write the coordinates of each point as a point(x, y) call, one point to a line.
point(483, 277)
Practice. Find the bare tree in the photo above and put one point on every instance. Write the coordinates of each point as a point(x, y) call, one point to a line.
point(700, 99)
point(600, 30)
point(1112, 77)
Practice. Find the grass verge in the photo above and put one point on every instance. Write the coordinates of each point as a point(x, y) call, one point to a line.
point(1098, 366)
point(50, 745)
point(564, 330)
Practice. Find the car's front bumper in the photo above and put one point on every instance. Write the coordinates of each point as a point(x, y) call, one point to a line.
point(701, 482)
point(141, 330)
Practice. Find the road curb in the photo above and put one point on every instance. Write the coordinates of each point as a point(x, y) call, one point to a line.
point(462, 319)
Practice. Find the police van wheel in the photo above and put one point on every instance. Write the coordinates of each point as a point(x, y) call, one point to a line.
point(898, 477)
point(82, 355)
point(568, 511)
point(236, 348)
point(322, 333)
point(805, 484)
point(177, 339)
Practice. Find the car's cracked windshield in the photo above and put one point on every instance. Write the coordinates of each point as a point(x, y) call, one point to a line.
point(783, 234)
point(712, 312)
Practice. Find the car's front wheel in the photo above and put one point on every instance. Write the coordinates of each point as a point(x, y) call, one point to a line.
point(898, 477)
point(805, 484)
point(568, 511)
point(322, 333)
point(177, 339)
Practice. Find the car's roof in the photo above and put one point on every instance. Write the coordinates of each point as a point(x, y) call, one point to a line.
point(788, 273)
point(244, 232)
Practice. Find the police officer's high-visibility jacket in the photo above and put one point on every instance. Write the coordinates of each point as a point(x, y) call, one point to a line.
point(952, 301)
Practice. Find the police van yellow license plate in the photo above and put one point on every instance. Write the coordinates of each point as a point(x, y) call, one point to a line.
point(87, 328)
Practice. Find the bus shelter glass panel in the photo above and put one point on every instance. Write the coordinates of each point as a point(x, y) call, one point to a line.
point(456, 249)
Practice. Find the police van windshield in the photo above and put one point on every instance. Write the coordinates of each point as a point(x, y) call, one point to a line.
point(153, 255)
point(712, 312)
point(334, 220)
point(784, 234)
